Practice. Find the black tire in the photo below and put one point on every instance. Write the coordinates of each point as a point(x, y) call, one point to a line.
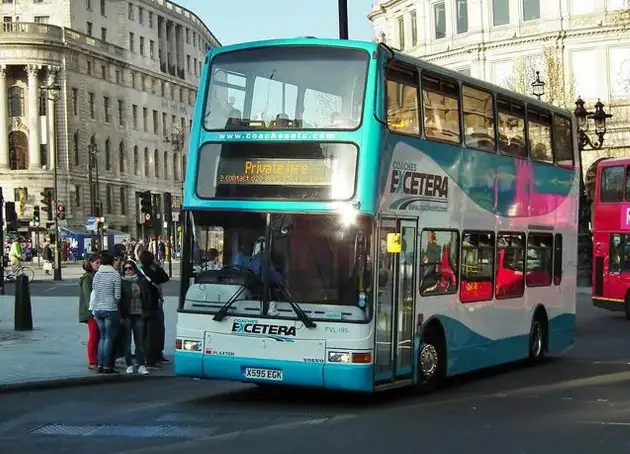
point(626, 306)
point(432, 361)
point(537, 336)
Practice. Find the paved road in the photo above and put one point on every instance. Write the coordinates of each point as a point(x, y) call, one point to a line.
point(577, 404)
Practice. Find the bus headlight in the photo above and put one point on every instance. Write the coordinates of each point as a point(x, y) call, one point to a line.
point(338, 357)
point(191, 346)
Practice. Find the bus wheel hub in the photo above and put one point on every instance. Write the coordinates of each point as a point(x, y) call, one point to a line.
point(428, 360)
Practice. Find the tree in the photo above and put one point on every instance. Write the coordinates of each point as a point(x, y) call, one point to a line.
point(559, 88)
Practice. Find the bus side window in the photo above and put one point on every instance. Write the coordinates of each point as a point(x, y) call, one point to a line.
point(402, 102)
point(539, 135)
point(539, 259)
point(611, 189)
point(563, 142)
point(440, 103)
point(477, 266)
point(557, 259)
point(615, 253)
point(438, 262)
point(511, 124)
point(478, 119)
point(510, 276)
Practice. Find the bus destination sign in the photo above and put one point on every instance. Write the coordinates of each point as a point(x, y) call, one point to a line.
point(275, 172)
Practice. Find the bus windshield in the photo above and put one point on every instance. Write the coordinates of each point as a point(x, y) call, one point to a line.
point(295, 87)
point(312, 259)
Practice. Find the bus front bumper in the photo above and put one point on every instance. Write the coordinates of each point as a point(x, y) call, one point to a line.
point(351, 377)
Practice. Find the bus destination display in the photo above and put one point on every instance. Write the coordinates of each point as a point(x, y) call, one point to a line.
point(265, 171)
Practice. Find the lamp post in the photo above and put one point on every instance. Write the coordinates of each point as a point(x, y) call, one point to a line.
point(92, 150)
point(176, 140)
point(599, 117)
point(343, 19)
point(53, 90)
point(538, 86)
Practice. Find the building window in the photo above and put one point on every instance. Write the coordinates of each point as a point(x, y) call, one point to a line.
point(135, 160)
point(89, 68)
point(88, 4)
point(156, 163)
point(89, 29)
point(103, 8)
point(16, 102)
point(187, 36)
point(145, 119)
point(142, 45)
point(500, 12)
point(130, 11)
point(108, 199)
point(165, 164)
point(134, 113)
point(146, 162)
point(131, 42)
point(121, 156)
point(91, 105)
point(75, 147)
point(140, 15)
point(108, 155)
point(75, 101)
point(42, 19)
point(164, 116)
point(401, 36)
point(175, 168)
point(106, 108)
point(121, 112)
point(156, 129)
point(531, 10)
point(18, 150)
point(152, 49)
point(462, 16)
point(123, 200)
point(150, 19)
point(118, 77)
point(103, 34)
point(414, 28)
point(439, 15)
point(103, 72)
point(188, 63)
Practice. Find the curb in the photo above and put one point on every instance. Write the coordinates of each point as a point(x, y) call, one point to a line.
point(58, 383)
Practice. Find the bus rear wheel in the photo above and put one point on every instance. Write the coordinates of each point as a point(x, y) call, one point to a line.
point(537, 340)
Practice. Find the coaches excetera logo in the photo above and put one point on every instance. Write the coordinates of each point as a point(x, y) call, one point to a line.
point(251, 327)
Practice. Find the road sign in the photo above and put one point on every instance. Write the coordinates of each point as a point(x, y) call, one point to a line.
point(90, 223)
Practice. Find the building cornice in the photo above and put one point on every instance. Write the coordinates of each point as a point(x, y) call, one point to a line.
point(381, 8)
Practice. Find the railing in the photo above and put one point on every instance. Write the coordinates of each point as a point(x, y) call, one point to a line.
point(41, 31)
point(75, 37)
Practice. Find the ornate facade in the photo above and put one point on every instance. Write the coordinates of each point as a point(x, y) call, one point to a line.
point(128, 73)
point(580, 47)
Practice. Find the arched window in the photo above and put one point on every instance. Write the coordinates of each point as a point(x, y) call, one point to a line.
point(156, 163)
point(18, 150)
point(146, 161)
point(121, 157)
point(75, 147)
point(175, 168)
point(165, 162)
point(16, 102)
point(108, 155)
point(135, 160)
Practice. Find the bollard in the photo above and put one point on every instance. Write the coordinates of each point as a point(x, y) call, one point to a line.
point(23, 313)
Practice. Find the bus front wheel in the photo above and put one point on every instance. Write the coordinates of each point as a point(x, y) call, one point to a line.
point(432, 359)
point(537, 339)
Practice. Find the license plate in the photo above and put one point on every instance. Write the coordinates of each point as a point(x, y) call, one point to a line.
point(263, 374)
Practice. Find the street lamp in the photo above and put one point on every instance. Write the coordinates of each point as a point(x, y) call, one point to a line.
point(599, 117)
point(538, 86)
point(53, 90)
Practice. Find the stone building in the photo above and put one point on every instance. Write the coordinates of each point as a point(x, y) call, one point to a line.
point(580, 47)
point(128, 73)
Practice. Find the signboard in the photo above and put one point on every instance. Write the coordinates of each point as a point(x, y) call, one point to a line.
point(625, 217)
point(91, 224)
point(275, 172)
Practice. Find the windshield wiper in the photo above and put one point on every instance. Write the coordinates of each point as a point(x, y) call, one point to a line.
point(224, 309)
point(296, 307)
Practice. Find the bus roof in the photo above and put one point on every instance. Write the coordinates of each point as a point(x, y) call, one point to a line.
point(371, 47)
point(610, 162)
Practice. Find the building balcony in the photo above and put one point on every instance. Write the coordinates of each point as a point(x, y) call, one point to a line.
point(21, 32)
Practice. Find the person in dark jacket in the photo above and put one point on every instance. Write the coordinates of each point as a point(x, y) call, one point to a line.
point(135, 296)
point(154, 314)
point(90, 266)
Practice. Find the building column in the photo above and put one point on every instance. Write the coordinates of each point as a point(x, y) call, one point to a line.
point(172, 42)
point(4, 117)
point(52, 133)
point(163, 45)
point(34, 142)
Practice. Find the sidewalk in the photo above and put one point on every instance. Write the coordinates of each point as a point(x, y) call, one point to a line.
point(54, 353)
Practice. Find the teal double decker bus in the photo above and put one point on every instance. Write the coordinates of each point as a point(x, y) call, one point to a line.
point(357, 219)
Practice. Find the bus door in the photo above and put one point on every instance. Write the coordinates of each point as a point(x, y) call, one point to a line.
point(396, 271)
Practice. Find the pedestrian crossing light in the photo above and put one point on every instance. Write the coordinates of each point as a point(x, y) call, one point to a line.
point(46, 202)
point(61, 211)
point(36, 214)
point(146, 206)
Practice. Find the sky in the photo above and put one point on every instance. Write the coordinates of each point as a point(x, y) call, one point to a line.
point(235, 21)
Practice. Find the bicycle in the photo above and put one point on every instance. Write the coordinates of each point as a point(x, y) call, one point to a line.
point(11, 274)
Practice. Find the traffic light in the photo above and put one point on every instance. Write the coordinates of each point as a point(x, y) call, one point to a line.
point(168, 207)
point(47, 202)
point(61, 211)
point(11, 216)
point(146, 206)
point(36, 214)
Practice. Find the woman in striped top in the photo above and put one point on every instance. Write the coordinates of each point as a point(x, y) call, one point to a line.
point(105, 303)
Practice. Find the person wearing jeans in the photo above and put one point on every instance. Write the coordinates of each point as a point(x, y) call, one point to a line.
point(90, 266)
point(134, 297)
point(105, 302)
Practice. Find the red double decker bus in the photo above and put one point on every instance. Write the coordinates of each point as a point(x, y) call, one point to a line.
point(611, 236)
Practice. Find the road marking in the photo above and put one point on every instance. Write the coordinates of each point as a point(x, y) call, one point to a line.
point(606, 423)
point(51, 288)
